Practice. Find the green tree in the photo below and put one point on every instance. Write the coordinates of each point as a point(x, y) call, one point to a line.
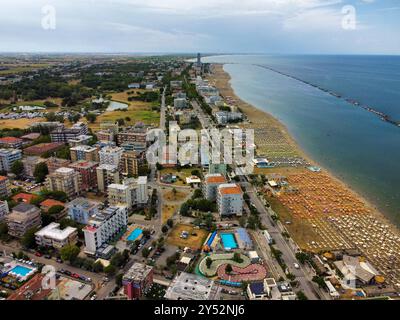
point(69, 252)
point(118, 279)
point(40, 172)
point(164, 229)
point(17, 168)
point(91, 117)
point(301, 296)
point(98, 267)
point(145, 252)
point(208, 262)
point(28, 240)
point(170, 223)
point(55, 210)
point(110, 270)
point(228, 268)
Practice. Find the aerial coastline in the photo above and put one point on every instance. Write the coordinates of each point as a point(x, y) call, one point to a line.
point(368, 211)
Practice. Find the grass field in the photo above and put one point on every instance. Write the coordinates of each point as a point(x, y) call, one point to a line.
point(18, 68)
point(195, 240)
point(182, 174)
point(179, 195)
point(167, 212)
point(18, 123)
point(138, 111)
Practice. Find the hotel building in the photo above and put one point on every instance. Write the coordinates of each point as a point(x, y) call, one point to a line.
point(22, 218)
point(230, 199)
point(66, 180)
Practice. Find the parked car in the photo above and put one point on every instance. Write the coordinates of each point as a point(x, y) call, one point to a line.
point(38, 254)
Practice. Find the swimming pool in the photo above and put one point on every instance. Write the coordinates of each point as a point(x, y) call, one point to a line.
point(228, 241)
point(20, 271)
point(134, 234)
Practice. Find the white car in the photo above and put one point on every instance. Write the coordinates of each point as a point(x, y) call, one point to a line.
point(296, 265)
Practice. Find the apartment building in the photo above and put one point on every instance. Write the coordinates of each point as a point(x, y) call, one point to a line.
point(80, 140)
point(104, 227)
point(66, 180)
point(88, 174)
point(11, 142)
point(133, 192)
point(210, 185)
point(4, 210)
point(53, 236)
point(5, 187)
point(132, 135)
point(56, 163)
point(22, 218)
point(30, 164)
point(129, 164)
point(230, 199)
point(105, 135)
point(62, 134)
point(137, 280)
point(84, 152)
point(106, 175)
point(111, 155)
point(81, 209)
point(8, 157)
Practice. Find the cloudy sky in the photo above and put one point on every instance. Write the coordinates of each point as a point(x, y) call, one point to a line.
point(218, 26)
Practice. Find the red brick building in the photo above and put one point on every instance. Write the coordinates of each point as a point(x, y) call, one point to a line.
point(42, 148)
point(87, 169)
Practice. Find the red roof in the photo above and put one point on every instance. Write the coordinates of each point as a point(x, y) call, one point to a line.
point(43, 147)
point(216, 179)
point(32, 290)
point(25, 197)
point(2, 178)
point(10, 140)
point(51, 203)
point(230, 190)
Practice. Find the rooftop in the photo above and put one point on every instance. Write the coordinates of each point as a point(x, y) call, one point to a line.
point(215, 178)
point(53, 231)
point(229, 188)
point(50, 203)
point(137, 273)
point(10, 140)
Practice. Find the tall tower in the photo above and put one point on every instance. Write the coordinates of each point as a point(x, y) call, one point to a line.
point(199, 59)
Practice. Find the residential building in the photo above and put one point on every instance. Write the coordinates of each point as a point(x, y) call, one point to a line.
point(56, 163)
point(8, 157)
point(42, 148)
point(53, 236)
point(106, 174)
point(105, 135)
point(31, 136)
point(10, 142)
point(129, 164)
point(266, 289)
point(132, 135)
point(133, 192)
point(80, 140)
point(81, 209)
point(22, 218)
point(88, 174)
point(137, 280)
point(4, 210)
point(104, 227)
point(111, 155)
point(5, 187)
point(224, 117)
point(84, 152)
point(210, 185)
point(230, 199)
point(218, 168)
point(63, 134)
point(66, 180)
point(188, 286)
point(30, 164)
point(48, 203)
point(180, 103)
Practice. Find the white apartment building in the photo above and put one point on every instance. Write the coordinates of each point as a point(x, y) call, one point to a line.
point(8, 157)
point(210, 185)
point(133, 192)
point(66, 180)
point(106, 174)
point(111, 155)
point(105, 226)
point(52, 236)
point(230, 199)
point(81, 209)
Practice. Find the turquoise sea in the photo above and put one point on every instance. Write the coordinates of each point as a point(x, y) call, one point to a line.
point(353, 143)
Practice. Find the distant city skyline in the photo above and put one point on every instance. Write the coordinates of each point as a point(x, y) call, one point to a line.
point(213, 26)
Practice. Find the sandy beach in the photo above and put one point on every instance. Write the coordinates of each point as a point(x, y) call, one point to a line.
point(325, 214)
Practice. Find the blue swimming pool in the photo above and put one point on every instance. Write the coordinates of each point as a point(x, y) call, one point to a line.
point(228, 241)
point(135, 234)
point(20, 270)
